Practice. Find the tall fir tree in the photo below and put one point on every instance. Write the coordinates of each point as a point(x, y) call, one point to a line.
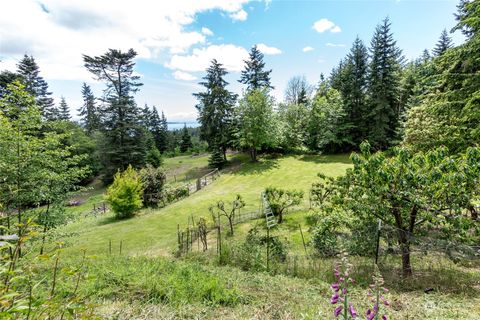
point(159, 129)
point(444, 43)
point(121, 121)
point(36, 85)
point(384, 76)
point(350, 79)
point(146, 117)
point(186, 142)
point(88, 112)
point(63, 110)
point(254, 75)
point(215, 108)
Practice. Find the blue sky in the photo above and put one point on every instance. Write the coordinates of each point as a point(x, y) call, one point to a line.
point(176, 40)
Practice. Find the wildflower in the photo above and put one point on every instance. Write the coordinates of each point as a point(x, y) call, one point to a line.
point(334, 299)
point(352, 311)
point(337, 311)
point(384, 317)
point(336, 287)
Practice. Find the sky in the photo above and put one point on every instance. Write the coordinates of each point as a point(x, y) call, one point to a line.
point(176, 40)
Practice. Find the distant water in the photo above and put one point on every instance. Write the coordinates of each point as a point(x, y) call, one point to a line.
point(173, 125)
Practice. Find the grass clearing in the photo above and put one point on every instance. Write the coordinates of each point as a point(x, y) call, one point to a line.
point(153, 232)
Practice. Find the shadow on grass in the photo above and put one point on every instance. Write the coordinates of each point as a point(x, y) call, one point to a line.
point(430, 272)
point(333, 158)
point(253, 168)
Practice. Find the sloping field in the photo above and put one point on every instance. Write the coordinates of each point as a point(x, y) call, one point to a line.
point(153, 232)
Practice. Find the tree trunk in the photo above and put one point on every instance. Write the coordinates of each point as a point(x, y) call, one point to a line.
point(405, 248)
point(473, 212)
point(280, 217)
point(224, 150)
point(230, 222)
point(253, 154)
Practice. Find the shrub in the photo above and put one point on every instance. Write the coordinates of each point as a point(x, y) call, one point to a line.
point(216, 159)
point(153, 181)
point(154, 157)
point(125, 193)
point(280, 200)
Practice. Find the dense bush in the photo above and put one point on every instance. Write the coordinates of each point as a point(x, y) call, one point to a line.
point(153, 181)
point(125, 193)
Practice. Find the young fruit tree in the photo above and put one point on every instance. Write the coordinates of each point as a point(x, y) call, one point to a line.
point(413, 192)
point(219, 209)
point(280, 200)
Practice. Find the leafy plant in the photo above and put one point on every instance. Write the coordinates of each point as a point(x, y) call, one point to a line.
point(125, 193)
point(280, 200)
point(153, 182)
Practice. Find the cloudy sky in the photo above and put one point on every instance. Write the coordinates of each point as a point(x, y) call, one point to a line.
point(176, 39)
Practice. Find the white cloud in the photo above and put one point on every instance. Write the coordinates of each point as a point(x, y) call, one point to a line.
point(268, 50)
point(324, 24)
point(185, 76)
point(229, 55)
point(335, 45)
point(336, 29)
point(58, 32)
point(240, 15)
point(207, 31)
point(307, 49)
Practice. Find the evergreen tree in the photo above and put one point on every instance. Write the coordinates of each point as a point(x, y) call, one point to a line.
point(468, 17)
point(35, 84)
point(350, 79)
point(158, 127)
point(63, 110)
point(443, 44)
point(384, 77)
point(6, 78)
point(254, 75)
point(125, 143)
point(216, 159)
point(88, 111)
point(215, 108)
point(146, 118)
point(186, 142)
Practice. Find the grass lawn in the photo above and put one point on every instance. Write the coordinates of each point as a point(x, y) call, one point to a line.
point(153, 232)
point(146, 283)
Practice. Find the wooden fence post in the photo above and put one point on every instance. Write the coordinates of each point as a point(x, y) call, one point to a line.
point(110, 246)
point(121, 243)
point(268, 248)
point(303, 239)
point(378, 240)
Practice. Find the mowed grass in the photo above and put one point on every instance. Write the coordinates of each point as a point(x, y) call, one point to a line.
point(154, 232)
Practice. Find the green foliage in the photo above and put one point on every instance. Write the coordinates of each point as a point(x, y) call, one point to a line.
point(123, 132)
point(256, 122)
point(384, 76)
point(254, 75)
point(448, 116)
point(153, 182)
point(412, 193)
point(219, 209)
point(280, 200)
point(125, 193)
point(215, 108)
point(159, 281)
point(293, 123)
point(37, 86)
point(89, 113)
point(216, 159)
point(186, 143)
point(325, 126)
point(154, 157)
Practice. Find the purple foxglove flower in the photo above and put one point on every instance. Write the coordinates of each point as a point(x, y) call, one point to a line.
point(334, 299)
point(384, 317)
point(336, 287)
point(375, 308)
point(344, 291)
point(386, 302)
point(337, 311)
point(385, 290)
point(353, 313)
point(370, 314)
